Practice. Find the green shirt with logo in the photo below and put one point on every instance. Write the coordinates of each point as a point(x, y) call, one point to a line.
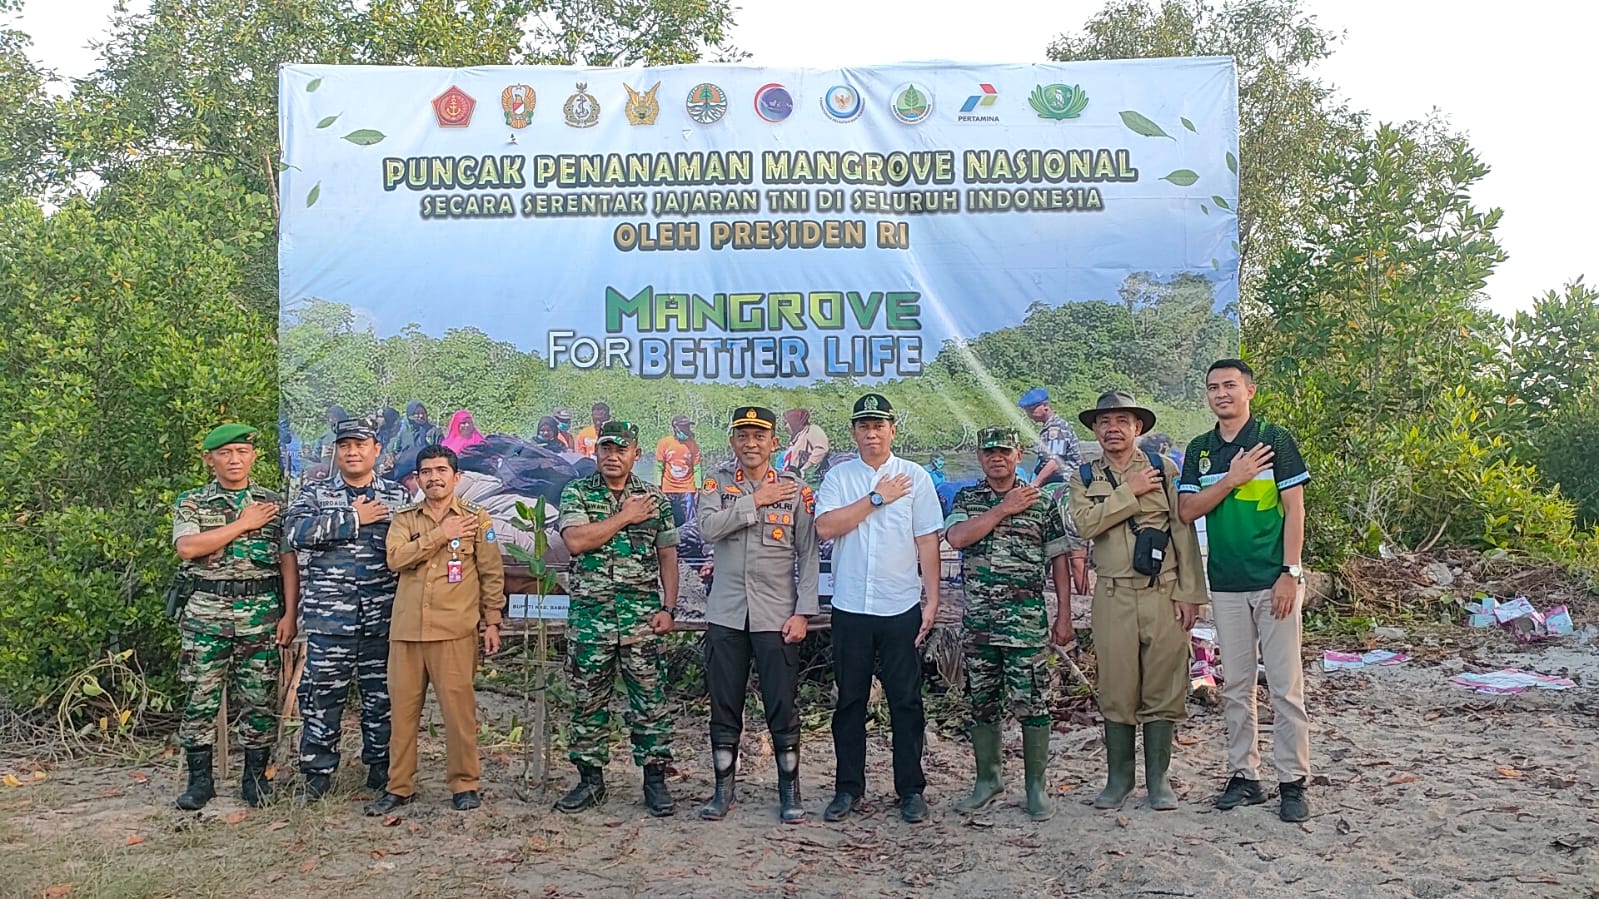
point(1245, 531)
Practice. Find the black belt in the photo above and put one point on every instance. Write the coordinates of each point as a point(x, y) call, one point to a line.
point(253, 587)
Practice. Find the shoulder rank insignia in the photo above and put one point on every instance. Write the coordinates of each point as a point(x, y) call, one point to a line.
point(809, 497)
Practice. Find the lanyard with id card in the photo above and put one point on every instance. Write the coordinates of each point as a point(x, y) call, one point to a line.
point(452, 568)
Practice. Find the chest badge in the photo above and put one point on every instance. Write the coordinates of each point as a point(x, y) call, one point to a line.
point(1204, 465)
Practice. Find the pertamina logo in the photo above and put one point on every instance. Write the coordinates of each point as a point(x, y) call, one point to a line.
point(979, 106)
point(453, 108)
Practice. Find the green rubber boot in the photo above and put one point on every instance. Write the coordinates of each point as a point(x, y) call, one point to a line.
point(990, 784)
point(1157, 761)
point(1035, 750)
point(1119, 740)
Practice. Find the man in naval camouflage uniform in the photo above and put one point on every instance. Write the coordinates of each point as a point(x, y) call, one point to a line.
point(623, 540)
point(1009, 533)
point(342, 524)
point(229, 534)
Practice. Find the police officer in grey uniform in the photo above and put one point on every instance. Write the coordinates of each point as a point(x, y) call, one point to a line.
point(761, 524)
point(346, 603)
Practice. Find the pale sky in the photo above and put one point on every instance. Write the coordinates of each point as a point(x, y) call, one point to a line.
point(1515, 79)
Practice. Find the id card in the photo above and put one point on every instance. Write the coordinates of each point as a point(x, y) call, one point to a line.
point(452, 571)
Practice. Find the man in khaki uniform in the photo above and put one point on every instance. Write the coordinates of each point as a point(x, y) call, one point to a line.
point(1141, 617)
point(452, 581)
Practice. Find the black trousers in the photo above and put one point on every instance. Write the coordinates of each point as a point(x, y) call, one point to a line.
point(862, 643)
point(727, 677)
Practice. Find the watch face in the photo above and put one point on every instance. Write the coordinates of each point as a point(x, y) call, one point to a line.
point(877, 498)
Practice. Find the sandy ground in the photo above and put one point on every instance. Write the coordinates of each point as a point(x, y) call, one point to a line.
point(1423, 790)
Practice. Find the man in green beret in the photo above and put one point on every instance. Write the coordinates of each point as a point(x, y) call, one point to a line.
point(229, 534)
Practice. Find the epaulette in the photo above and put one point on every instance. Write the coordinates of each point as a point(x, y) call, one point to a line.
point(410, 507)
point(470, 506)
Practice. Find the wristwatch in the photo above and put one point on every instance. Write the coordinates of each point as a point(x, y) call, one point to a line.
point(1295, 571)
point(875, 497)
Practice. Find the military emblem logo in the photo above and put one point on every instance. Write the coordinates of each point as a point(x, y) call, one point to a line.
point(842, 103)
point(773, 103)
point(707, 103)
point(870, 405)
point(1057, 101)
point(453, 108)
point(581, 109)
point(913, 103)
point(518, 101)
point(642, 108)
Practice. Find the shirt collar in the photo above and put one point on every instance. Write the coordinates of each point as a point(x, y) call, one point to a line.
point(1248, 435)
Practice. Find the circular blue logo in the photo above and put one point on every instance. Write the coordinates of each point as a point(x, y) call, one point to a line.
point(842, 103)
point(773, 102)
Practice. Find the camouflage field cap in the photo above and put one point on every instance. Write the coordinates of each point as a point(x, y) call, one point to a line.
point(998, 438)
point(621, 433)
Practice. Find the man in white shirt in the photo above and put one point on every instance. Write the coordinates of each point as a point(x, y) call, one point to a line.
point(883, 516)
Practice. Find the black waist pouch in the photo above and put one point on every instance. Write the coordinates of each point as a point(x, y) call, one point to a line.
point(1149, 551)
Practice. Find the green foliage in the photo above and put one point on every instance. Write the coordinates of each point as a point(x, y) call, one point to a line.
point(1564, 447)
point(28, 120)
point(1286, 118)
point(1554, 350)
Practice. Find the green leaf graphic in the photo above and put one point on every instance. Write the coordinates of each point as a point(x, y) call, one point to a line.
point(912, 98)
point(1140, 124)
point(364, 137)
point(1215, 264)
point(1232, 162)
point(312, 85)
point(1189, 125)
point(1182, 177)
point(1205, 209)
point(310, 198)
point(1219, 201)
point(328, 121)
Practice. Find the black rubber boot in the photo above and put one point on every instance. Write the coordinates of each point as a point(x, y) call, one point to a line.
point(1119, 740)
point(656, 797)
point(1157, 761)
point(315, 786)
point(588, 793)
point(253, 786)
point(725, 758)
point(201, 788)
point(788, 788)
point(377, 776)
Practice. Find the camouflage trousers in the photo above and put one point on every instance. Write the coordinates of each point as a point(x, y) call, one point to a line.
point(995, 674)
point(331, 665)
point(250, 664)
point(594, 668)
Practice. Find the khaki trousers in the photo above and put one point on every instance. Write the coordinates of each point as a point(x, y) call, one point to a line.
point(1244, 623)
point(1142, 651)
point(448, 665)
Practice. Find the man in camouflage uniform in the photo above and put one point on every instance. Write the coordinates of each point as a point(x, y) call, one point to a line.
point(623, 541)
point(342, 524)
point(1008, 533)
point(1058, 449)
point(229, 534)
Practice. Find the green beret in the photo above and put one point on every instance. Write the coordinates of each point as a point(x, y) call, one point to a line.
point(222, 435)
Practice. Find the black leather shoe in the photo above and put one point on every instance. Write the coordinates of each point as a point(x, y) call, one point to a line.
point(1240, 791)
point(377, 776)
point(386, 803)
point(843, 803)
point(465, 801)
point(913, 809)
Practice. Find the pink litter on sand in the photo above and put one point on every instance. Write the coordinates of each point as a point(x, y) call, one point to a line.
point(1509, 681)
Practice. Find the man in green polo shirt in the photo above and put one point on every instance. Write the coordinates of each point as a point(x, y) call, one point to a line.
point(1245, 478)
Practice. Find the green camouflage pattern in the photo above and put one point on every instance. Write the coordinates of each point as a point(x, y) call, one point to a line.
point(1005, 572)
point(615, 588)
point(206, 665)
point(254, 556)
point(997, 674)
point(594, 668)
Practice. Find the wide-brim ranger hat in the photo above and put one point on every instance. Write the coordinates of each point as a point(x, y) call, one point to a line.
point(621, 433)
point(872, 405)
point(753, 417)
point(998, 438)
point(1117, 401)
